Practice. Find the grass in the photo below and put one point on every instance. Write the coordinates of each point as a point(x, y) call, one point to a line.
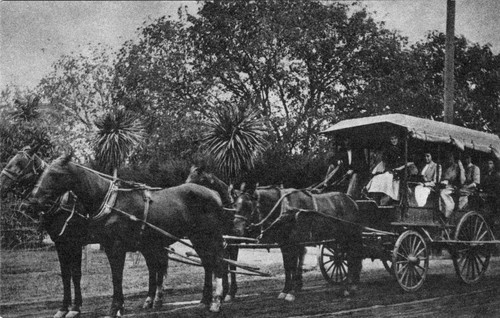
point(28, 276)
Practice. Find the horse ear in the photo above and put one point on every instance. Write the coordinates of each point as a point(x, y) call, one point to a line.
point(35, 101)
point(67, 157)
point(32, 151)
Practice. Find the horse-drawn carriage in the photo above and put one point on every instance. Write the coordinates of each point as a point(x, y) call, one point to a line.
point(403, 234)
point(347, 229)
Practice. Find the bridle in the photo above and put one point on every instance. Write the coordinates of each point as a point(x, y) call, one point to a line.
point(254, 201)
point(18, 176)
point(58, 204)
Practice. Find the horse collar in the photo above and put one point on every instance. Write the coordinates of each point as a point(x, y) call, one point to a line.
point(108, 202)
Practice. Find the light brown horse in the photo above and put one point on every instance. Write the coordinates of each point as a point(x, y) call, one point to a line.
point(121, 218)
point(293, 218)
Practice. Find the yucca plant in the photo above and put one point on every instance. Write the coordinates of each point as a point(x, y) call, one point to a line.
point(235, 139)
point(120, 132)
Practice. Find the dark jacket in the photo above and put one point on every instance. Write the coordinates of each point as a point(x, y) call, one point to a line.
point(358, 161)
point(393, 157)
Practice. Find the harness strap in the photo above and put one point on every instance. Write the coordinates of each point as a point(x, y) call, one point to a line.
point(147, 199)
point(9, 174)
point(108, 203)
point(67, 221)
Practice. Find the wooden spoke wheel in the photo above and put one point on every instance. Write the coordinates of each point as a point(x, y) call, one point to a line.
point(332, 260)
point(471, 260)
point(410, 260)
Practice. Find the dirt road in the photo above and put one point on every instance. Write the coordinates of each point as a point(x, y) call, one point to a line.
point(379, 295)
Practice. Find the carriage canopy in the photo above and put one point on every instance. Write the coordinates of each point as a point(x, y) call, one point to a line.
point(370, 128)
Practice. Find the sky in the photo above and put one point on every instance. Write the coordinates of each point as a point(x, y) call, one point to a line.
point(33, 35)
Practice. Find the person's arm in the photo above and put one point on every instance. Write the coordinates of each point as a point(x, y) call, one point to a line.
point(461, 172)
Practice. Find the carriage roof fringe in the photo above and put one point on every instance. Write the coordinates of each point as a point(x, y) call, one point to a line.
point(423, 129)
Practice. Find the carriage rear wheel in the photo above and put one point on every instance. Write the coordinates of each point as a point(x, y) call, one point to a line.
point(471, 260)
point(332, 260)
point(410, 260)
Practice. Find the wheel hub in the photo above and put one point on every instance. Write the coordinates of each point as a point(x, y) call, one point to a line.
point(413, 260)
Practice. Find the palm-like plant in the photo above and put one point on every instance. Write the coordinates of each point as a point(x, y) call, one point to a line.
point(120, 132)
point(235, 138)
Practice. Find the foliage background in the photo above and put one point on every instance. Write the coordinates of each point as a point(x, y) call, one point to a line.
point(301, 65)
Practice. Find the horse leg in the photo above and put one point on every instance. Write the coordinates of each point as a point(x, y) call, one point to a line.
point(290, 265)
point(162, 271)
point(298, 281)
point(233, 288)
point(76, 275)
point(211, 258)
point(64, 263)
point(153, 271)
point(116, 256)
point(354, 264)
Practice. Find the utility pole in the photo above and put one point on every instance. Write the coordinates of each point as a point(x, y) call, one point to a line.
point(449, 65)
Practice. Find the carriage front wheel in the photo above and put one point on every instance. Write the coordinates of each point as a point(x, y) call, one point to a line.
point(471, 258)
point(410, 260)
point(332, 261)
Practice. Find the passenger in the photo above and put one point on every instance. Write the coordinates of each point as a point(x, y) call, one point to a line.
point(348, 169)
point(429, 178)
point(472, 180)
point(490, 180)
point(387, 183)
point(453, 176)
point(490, 186)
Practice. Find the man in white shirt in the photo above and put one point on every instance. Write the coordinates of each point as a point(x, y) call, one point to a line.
point(472, 180)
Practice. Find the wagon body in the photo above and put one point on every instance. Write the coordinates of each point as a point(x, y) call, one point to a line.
point(402, 235)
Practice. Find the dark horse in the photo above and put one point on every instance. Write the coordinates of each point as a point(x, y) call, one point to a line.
point(65, 222)
point(293, 218)
point(207, 179)
point(145, 220)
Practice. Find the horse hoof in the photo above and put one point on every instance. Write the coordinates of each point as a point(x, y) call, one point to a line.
point(148, 303)
point(216, 305)
point(282, 295)
point(73, 314)
point(60, 314)
point(290, 297)
point(346, 293)
point(158, 302)
point(118, 313)
point(228, 298)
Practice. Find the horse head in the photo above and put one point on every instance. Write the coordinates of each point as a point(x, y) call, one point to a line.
point(246, 212)
point(56, 179)
point(198, 175)
point(22, 170)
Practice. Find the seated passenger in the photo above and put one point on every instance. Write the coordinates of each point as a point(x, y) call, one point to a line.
point(453, 176)
point(387, 182)
point(429, 178)
point(347, 171)
point(490, 186)
point(472, 180)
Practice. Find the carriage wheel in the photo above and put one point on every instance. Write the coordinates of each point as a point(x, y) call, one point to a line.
point(471, 260)
point(410, 260)
point(332, 260)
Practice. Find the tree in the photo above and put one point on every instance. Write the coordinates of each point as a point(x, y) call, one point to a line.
point(301, 62)
point(477, 81)
point(235, 139)
point(120, 133)
point(155, 77)
point(79, 90)
point(22, 124)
